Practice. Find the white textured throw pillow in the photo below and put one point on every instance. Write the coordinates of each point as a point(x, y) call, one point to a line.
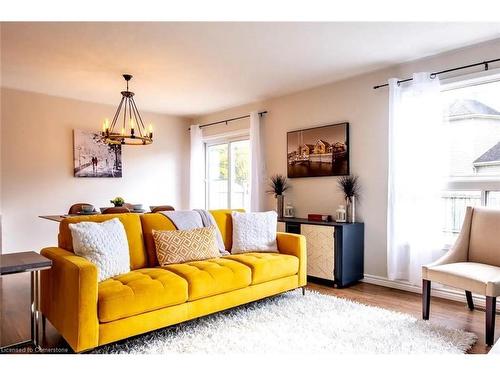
point(254, 231)
point(104, 244)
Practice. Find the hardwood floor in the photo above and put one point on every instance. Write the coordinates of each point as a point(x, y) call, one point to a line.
point(15, 326)
point(15, 316)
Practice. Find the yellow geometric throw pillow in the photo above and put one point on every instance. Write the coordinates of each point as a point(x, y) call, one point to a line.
point(179, 246)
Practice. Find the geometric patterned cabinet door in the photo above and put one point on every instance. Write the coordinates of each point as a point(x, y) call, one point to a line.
point(320, 250)
point(281, 227)
point(335, 251)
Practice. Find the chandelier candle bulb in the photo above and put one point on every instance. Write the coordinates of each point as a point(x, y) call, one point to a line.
point(105, 128)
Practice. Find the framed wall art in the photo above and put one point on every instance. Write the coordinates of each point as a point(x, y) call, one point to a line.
point(93, 157)
point(319, 151)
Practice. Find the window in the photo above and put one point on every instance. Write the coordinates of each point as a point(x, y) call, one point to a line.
point(228, 174)
point(493, 199)
point(473, 135)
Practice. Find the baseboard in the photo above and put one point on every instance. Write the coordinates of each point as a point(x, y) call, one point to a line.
point(450, 294)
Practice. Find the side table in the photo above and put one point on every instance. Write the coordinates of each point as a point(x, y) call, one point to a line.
point(32, 262)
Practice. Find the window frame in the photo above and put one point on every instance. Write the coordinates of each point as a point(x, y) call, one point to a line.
point(484, 184)
point(222, 139)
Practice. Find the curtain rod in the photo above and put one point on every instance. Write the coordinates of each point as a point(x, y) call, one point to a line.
point(433, 75)
point(229, 120)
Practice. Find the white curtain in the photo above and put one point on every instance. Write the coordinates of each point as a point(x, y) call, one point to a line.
point(257, 166)
point(196, 169)
point(417, 169)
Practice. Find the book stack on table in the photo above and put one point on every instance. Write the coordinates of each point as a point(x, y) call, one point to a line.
point(319, 217)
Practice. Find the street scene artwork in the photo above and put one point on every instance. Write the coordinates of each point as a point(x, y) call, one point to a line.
point(93, 157)
point(320, 151)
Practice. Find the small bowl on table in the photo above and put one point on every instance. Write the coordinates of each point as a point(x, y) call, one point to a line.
point(87, 209)
point(137, 208)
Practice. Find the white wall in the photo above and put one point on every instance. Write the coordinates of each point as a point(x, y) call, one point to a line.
point(355, 101)
point(37, 165)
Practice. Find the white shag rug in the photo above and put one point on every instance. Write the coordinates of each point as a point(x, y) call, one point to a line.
point(291, 323)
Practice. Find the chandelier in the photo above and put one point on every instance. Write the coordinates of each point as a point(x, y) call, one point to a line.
point(127, 128)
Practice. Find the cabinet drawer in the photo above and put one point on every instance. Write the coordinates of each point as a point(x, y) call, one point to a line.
point(320, 250)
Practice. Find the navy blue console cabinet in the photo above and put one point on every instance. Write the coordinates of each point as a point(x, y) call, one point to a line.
point(335, 251)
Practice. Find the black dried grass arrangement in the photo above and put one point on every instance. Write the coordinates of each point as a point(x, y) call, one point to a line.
point(349, 186)
point(278, 184)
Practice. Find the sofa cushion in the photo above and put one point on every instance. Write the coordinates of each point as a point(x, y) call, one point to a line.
point(268, 266)
point(139, 291)
point(104, 244)
point(157, 221)
point(180, 246)
point(475, 277)
point(212, 276)
point(132, 225)
point(151, 222)
point(254, 231)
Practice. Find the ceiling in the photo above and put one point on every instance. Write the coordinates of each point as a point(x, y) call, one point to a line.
point(190, 69)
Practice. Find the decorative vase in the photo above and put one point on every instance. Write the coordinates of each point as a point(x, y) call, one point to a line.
point(279, 205)
point(351, 209)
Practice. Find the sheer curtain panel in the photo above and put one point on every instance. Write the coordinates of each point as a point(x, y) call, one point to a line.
point(417, 170)
point(196, 169)
point(257, 164)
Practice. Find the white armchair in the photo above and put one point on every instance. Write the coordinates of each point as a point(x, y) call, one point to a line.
point(472, 264)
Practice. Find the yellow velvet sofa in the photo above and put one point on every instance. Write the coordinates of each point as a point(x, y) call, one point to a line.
point(89, 314)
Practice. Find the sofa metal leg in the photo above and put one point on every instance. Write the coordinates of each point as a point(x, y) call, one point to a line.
point(491, 303)
point(44, 324)
point(303, 290)
point(426, 299)
point(470, 301)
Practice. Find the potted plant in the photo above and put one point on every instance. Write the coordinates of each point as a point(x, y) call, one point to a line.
point(118, 201)
point(349, 185)
point(279, 185)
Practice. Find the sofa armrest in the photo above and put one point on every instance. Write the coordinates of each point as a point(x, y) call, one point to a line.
point(69, 297)
point(295, 244)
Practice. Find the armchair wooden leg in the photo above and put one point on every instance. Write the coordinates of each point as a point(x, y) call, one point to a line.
point(490, 319)
point(470, 301)
point(426, 299)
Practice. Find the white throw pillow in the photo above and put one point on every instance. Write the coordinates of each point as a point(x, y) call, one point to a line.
point(104, 244)
point(254, 231)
